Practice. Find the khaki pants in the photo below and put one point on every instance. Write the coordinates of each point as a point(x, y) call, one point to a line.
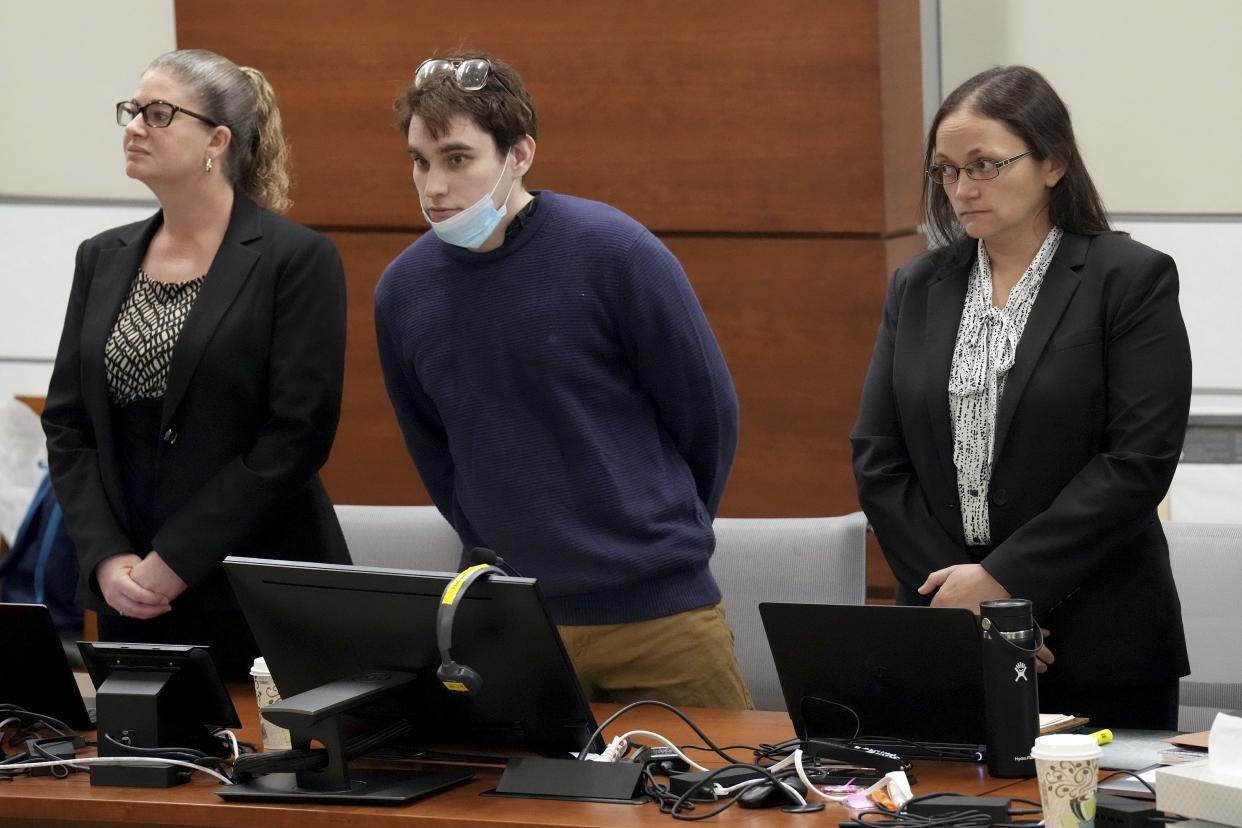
point(686, 660)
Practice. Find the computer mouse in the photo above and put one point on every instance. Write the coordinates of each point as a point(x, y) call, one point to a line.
point(765, 794)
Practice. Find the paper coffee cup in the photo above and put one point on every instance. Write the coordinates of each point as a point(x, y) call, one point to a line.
point(1068, 766)
point(265, 692)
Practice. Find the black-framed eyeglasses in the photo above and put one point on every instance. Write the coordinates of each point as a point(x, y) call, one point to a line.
point(982, 169)
point(157, 114)
point(470, 74)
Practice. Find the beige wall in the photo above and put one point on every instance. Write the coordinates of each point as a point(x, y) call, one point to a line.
point(64, 64)
point(1152, 85)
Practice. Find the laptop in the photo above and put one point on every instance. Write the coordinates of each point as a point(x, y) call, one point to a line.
point(36, 675)
point(908, 680)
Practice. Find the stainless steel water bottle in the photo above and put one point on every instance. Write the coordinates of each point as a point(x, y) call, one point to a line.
point(1010, 692)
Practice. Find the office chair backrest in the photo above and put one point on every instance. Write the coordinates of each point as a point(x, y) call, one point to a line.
point(404, 537)
point(1207, 566)
point(757, 559)
point(811, 560)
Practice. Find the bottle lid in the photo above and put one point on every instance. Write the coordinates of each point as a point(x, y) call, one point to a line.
point(1005, 606)
point(1008, 614)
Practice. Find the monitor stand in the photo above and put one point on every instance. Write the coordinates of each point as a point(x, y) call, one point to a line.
point(134, 708)
point(367, 787)
point(316, 715)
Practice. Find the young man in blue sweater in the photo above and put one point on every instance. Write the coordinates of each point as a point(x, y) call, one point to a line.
point(561, 394)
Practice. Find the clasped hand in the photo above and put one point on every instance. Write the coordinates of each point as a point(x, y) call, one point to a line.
point(966, 585)
point(139, 587)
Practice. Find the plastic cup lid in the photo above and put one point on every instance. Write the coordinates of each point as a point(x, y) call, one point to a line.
point(1066, 746)
point(259, 668)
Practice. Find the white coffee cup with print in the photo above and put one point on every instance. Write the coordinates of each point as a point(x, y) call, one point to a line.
point(1068, 766)
point(265, 692)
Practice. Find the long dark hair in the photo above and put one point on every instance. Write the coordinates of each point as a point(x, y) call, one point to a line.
point(1026, 103)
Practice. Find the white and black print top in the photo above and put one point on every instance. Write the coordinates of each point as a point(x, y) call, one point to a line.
point(987, 340)
point(139, 351)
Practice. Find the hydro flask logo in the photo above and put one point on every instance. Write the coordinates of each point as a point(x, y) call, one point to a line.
point(1020, 670)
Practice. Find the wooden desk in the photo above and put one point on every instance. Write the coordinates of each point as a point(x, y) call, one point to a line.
point(64, 802)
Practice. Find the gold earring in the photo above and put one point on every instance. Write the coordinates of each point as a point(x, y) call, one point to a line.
point(207, 164)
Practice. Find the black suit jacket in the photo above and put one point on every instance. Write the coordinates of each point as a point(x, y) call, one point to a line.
point(251, 407)
point(1088, 434)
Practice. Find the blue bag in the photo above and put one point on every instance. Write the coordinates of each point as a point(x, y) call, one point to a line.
point(41, 567)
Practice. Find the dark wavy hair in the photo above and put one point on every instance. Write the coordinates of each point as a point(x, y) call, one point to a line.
point(1026, 103)
point(502, 107)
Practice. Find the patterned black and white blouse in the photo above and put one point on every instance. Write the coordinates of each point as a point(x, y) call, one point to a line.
point(139, 351)
point(987, 340)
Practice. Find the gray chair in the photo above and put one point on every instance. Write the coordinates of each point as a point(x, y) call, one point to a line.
point(402, 537)
point(1207, 566)
point(813, 560)
point(809, 560)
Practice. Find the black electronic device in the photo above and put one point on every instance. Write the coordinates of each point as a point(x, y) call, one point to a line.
point(679, 783)
point(661, 760)
point(1011, 696)
point(878, 760)
point(154, 696)
point(40, 750)
point(946, 805)
point(1123, 812)
point(327, 630)
point(767, 795)
point(37, 676)
point(536, 777)
point(900, 680)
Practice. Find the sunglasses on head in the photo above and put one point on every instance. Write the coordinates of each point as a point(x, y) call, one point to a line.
point(470, 74)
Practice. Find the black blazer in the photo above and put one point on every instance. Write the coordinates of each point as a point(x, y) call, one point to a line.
point(1088, 434)
point(251, 408)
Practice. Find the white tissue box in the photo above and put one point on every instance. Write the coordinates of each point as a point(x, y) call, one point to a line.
point(1195, 790)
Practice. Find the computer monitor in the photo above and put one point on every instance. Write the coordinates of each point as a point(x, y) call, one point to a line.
point(37, 676)
point(317, 624)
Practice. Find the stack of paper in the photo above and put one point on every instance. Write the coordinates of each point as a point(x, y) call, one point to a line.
point(1059, 722)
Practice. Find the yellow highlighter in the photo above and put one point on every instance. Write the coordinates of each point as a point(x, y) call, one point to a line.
point(1103, 737)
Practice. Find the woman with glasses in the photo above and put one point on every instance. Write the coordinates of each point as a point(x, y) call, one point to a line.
point(197, 386)
point(1026, 405)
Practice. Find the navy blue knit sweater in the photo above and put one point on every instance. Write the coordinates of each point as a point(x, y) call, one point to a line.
point(567, 406)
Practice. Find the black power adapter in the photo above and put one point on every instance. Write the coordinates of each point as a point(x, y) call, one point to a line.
point(662, 760)
point(1122, 812)
point(46, 751)
point(996, 808)
point(679, 783)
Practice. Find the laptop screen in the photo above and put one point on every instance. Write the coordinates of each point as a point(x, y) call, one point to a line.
point(888, 674)
point(36, 675)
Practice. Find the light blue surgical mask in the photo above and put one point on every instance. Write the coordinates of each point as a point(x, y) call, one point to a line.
point(473, 226)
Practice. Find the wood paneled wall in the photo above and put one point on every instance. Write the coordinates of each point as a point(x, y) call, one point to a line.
point(774, 146)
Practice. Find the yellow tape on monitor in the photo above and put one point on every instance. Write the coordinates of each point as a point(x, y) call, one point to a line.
point(456, 686)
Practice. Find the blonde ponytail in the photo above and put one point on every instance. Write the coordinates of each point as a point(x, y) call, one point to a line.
point(267, 179)
point(257, 161)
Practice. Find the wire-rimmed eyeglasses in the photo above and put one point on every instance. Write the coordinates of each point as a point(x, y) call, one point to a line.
point(470, 74)
point(982, 169)
point(157, 114)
